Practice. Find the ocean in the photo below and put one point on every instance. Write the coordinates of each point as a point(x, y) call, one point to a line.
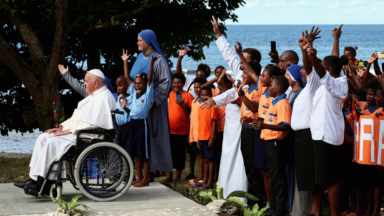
point(369, 38)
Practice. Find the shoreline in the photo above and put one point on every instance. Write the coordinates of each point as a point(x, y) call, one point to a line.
point(15, 155)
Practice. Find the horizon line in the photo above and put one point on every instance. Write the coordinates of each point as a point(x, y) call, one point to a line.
point(304, 24)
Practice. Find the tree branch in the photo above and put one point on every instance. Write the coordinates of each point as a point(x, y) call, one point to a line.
point(121, 17)
point(30, 38)
point(9, 57)
point(60, 38)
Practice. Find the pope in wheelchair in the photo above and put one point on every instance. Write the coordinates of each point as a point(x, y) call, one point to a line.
point(100, 169)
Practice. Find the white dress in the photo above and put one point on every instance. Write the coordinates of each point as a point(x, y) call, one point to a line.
point(93, 112)
point(232, 171)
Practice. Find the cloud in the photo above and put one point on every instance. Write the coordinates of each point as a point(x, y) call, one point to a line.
point(283, 3)
point(333, 5)
point(251, 4)
point(300, 3)
point(355, 2)
point(267, 4)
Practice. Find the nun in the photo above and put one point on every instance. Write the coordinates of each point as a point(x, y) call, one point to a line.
point(161, 158)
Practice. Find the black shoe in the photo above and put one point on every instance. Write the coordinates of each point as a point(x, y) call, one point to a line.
point(269, 212)
point(24, 183)
point(32, 189)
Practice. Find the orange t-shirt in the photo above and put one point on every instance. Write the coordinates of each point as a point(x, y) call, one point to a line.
point(178, 121)
point(265, 102)
point(194, 129)
point(365, 110)
point(278, 113)
point(253, 95)
point(205, 122)
point(220, 113)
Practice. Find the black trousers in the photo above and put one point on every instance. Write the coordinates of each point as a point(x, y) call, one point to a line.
point(255, 179)
point(276, 155)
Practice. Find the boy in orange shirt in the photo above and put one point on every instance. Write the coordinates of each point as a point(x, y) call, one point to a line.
point(207, 135)
point(274, 129)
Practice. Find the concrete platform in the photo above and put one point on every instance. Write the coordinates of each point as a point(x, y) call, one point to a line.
point(154, 200)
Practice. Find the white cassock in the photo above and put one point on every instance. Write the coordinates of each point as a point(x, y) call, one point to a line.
point(232, 171)
point(93, 112)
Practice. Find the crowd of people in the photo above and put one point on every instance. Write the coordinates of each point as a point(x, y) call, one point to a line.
point(282, 133)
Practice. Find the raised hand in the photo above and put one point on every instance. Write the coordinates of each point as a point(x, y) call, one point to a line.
point(155, 58)
point(215, 27)
point(336, 33)
point(313, 34)
point(124, 102)
point(183, 51)
point(312, 52)
point(274, 55)
point(238, 90)
point(360, 71)
point(238, 48)
point(62, 69)
point(125, 55)
point(220, 78)
point(303, 43)
point(373, 58)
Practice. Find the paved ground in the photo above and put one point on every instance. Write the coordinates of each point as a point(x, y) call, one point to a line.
point(154, 200)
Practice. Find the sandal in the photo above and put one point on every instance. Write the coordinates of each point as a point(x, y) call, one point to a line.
point(166, 182)
point(189, 176)
point(205, 187)
point(198, 184)
point(190, 182)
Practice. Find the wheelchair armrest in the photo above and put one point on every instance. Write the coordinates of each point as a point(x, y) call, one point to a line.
point(100, 132)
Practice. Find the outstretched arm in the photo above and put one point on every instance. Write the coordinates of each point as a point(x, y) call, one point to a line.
point(182, 53)
point(320, 70)
point(251, 105)
point(306, 42)
point(336, 33)
point(74, 83)
point(150, 73)
point(125, 58)
point(373, 60)
point(239, 51)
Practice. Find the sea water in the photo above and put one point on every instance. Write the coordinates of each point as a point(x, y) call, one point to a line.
point(369, 38)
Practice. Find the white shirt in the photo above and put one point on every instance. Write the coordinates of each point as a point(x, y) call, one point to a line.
point(302, 110)
point(234, 64)
point(327, 122)
point(93, 112)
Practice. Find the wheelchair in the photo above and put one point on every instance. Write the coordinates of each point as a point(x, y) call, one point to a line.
point(103, 171)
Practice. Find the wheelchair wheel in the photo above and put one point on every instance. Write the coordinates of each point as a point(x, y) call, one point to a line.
point(104, 172)
point(56, 191)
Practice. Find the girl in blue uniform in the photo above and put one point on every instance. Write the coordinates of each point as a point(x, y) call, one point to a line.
point(139, 104)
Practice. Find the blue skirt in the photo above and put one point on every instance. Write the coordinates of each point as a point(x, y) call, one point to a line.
point(260, 160)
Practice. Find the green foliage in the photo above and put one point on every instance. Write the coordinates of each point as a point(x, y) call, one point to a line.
point(243, 194)
point(45, 111)
point(232, 200)
point(220, 191)
point(255, 211)
point(72, 205)
point(208, 195)
point(176, 24)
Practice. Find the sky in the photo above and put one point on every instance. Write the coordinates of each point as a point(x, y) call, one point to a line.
point(259, 12)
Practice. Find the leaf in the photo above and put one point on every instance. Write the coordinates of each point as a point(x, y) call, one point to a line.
point(238, 203)
point(262, 211)
point(208, 195)
point(255, 209)
point(242, 194)
point(84, 206)
point(219, 190)
point(66, 205)
point(247, 212)
point(73, 202)
point(58, 201)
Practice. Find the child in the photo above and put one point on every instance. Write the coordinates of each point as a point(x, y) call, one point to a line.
point(207, 135)
point(179, 123)
point(122, 120)
point(192, 149)
point(274, 131)
point(138, 107)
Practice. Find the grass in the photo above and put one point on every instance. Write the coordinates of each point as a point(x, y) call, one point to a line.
point(12, 170)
